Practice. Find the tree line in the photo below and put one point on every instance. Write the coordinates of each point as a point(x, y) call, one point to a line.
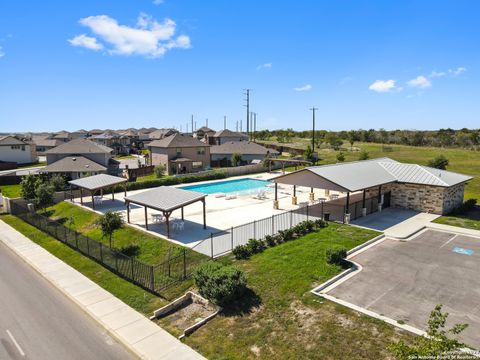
point(463, 138)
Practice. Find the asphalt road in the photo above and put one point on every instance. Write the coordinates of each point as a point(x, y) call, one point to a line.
point(38, 322)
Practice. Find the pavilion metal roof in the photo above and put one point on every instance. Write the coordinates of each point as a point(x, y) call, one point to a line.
point(165, 198)
point(359, 175)
point(97, 181)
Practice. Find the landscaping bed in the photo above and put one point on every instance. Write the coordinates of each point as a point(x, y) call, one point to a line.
point(279, 318)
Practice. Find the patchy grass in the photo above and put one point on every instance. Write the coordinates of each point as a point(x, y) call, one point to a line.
point(460, 160)
point(129, 293)
point(11, 191)
point(147, 177)
point(471, 220)
point(281, 319)
point(123, 157)
point(145, 247)
point(41, 163)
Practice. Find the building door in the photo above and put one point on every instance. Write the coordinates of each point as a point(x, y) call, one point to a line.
point(386, 199)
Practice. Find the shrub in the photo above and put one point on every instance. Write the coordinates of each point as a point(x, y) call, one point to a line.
point(467, 206)
point(270, 240)
point(219, 283)
point(241, 252)
point(364, 155)
point(159, 171)
point(340, 157)
point(58, 182)
point(286, 235)
point(236, 159)
point(320, 223)
point(44, 195)
point(255, 246)
point(336, 256)
point(439, 162)
point(28, 185)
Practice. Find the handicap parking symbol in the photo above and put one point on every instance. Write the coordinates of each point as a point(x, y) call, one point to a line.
point(462, 251)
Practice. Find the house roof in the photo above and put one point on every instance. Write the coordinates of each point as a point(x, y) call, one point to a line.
point(74, 164)
point(228, 133)
point(165, 198)
point(97, 181)
point(47, 142)
point(177, 140)
point(359, 175)
point(241, 147)
point(204, 129)
point(161, 133)
point(11, 140)
point(80, 146)
point(61, 135)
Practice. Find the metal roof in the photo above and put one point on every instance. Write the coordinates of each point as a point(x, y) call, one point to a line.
point(97, 181)
point(74, 164)
point(165, 198)
point(359, 175)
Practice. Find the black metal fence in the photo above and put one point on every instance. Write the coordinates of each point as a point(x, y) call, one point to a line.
point(154, 278)
point(222, 242)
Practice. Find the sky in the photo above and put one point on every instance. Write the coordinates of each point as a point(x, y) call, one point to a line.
point(403, 64)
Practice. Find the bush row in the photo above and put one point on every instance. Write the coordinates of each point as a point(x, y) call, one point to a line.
point(467, 206)
point(220, 283)
point(255, 246)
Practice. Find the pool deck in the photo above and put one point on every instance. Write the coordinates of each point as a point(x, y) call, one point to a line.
point(222, 214)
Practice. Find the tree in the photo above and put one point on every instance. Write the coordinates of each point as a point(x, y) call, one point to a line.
point(44, 195)
point(308, 154)
point(236, 159)
point(363, 155)
point(28, 185)
point(340, 157)
point(334, 141)
point(159, 171)
point(108, 223)
point(440, 162)
point(435, 344)
point(58, 182)
point(352, 137)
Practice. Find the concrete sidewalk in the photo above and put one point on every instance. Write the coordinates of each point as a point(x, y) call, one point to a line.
point(135, 331)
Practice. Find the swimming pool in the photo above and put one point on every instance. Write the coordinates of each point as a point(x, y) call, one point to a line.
point(229, 186)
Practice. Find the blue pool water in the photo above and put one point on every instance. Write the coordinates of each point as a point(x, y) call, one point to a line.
point(229, 186)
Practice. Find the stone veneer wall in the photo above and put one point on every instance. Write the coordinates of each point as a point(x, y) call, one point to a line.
point(453, 197)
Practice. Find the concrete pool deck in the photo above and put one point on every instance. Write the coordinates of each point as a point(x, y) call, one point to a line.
point(222, 214)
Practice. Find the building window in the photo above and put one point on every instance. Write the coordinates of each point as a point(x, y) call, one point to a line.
point(197, 164)
point(201, 151)
point(15, 147)
point(179, 151)
point(23, 147)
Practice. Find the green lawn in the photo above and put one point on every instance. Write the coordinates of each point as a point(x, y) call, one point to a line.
point(11, 191)
point(147, 177)
point(43, 163)
point(470, 220)
point(281, 319)
point(148, 248)
point(129, 293)
point(125, 157)
point(460, 160)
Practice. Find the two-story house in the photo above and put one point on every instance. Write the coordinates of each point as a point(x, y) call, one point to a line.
point(180, 154)
point(224, 136)
point(13, 149)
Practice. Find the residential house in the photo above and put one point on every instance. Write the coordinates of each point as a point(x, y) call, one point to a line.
point(119, 143)
point(221, 155)
point(223, 136)
point(205, 134)
point(161, 133)
point(63, 136)
point(13, 149)
point(180, 154)
point(79, 158)
point(44, 144)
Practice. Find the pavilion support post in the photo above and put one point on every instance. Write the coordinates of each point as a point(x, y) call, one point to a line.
point(146, 218)
point(204, 214)
point(364, 209)
point(167, 222)
point(347, 209)
point(101, 192)
point(380, 198)
point(125, 190)
point(294, 197)
point(113, 194)
point(93, 199)
point(312, 195)
point(81, 196)
point(128, 211)
point(182, 214)
point(275, 202)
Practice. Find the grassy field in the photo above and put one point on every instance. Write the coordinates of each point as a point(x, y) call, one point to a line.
point(281, 319)
point(145, 247)
point(11, 191)
point(132, 295)
point(460, 160)
point(471, 220)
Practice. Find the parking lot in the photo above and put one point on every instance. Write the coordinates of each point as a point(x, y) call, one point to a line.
point(404, 280)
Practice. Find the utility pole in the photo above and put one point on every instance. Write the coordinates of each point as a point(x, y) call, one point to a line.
point(254, 125)
point(186, 127)
point(237, 127)
point(247, 93)
point(192, 124)
point(206, 122)
point(241, 126)
point(313, 127)
point(224, 122)
point(195, 125)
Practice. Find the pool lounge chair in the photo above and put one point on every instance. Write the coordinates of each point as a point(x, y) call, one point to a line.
point(219, 195)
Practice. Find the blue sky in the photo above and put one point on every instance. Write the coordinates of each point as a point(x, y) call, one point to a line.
point(134, 63)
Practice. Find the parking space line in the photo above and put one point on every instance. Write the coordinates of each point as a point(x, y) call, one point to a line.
point(381, 296)
point(15, 343)
point(449, 241)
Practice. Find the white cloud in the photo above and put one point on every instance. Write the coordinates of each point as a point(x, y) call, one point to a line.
point(420, 82)
point(306, 87)
point(2, 53)
point(435, 74)
point(264, 66)
point(345, 80)
point(148, 38)
point(157, 2)
point(86, 42)
point(382, 86)
point(458, 71)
